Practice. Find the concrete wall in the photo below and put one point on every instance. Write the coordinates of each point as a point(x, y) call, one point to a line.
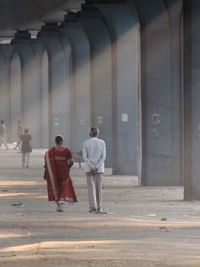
point(5, 52)
point(30, 91)
point(123, 26)
point(42, 72)
point(101, 73)
point(59, 82)
point(161, 91)
point(15, 94)
point(191, 100)
point(80, 82)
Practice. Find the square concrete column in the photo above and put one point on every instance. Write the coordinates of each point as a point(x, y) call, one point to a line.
point(6, 52)
point(161, 91)
point(123, 26)
point(80, 81)
point(42, 70)
point(101, 73)
point(58, 62)
point(191, 100)
point(30, 89)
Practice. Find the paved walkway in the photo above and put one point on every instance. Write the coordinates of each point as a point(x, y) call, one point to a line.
point(145, 227)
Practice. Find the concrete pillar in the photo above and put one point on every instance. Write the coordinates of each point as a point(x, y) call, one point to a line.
point(175, 11)
point(15, 94)
point(42, 70)
point(5, 54)
point(101, 73)
point(80, 81)
point(45, 98)
point(59, 82)
point(2, 91)
point(68, 109)
point(161, 91)
point(30, 92)
point(123, 26)
point(191, 100)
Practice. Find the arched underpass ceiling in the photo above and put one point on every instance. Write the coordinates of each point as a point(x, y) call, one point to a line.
point(31, 14)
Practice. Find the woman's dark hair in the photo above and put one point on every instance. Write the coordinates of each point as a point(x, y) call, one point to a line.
point(59, 140)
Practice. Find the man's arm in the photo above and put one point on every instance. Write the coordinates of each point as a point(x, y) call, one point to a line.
point(86, 159)
point(103, 156)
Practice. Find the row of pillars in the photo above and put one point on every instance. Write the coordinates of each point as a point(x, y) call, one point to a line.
point(81, 72)
point(120, 67)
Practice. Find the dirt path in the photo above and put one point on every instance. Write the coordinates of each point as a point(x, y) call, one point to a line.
point(145, 227)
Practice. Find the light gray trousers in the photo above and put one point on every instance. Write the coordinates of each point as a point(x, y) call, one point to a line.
point(94, 184)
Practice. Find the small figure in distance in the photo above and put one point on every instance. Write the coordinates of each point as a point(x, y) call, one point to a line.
point(58, 161)
point(3, 134)
point(20, 131)
point(94, 155)
point(78, 157)
point(26, 148)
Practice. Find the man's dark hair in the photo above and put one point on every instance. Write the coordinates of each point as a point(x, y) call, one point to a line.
point(94, 131)
point(59, 140)
point(2, 121)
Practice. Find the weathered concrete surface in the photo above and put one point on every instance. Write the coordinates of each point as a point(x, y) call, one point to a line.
point(123, 26)
point(191, 104)
point(161, 30)
point(146, 226)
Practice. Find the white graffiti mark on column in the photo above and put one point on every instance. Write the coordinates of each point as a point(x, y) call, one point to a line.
point(82, 122)
point(198, 131)
point(55, 122)
point(156, 120)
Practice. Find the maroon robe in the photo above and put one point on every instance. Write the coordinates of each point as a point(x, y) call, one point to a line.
point(57, 174)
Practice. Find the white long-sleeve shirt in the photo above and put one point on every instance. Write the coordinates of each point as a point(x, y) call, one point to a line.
point(94, 154)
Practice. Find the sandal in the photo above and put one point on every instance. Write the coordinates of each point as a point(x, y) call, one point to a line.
point(101, 212)
point(92, 210)
point(59, 207)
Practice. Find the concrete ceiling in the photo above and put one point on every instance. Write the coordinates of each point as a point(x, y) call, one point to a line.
point(32, 14)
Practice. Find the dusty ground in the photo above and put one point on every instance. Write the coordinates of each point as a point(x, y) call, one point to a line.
point(145, 227)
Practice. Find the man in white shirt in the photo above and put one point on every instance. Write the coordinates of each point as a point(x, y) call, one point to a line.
point(94, 155)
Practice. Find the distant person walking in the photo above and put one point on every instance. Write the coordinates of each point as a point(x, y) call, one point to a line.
point(26, 148)
point(3, 134)
point(58, 161)
point(94, 155)
point(20, 131)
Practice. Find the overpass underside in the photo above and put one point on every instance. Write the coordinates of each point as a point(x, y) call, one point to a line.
point(129, 67)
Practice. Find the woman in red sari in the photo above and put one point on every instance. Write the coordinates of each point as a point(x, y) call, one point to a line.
point(58, 161)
